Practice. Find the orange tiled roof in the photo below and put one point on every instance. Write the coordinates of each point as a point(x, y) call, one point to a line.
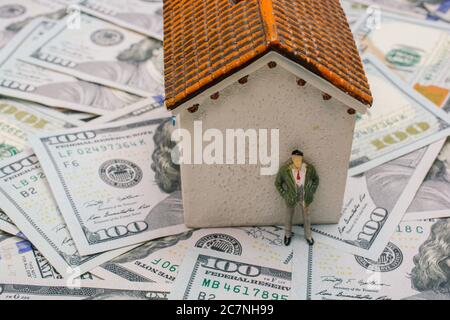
point(205, 41)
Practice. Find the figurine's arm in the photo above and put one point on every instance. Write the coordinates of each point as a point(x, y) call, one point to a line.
point(315, 180)
point(312, 184)
point(280, 184)
point(279, 181)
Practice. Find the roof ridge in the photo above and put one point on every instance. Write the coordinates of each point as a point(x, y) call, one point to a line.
point(268, 17)
point(228, 35)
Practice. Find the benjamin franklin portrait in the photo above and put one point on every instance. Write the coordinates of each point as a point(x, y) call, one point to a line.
point(168, 179)
point(167, 176)
point(431, 272)
point(138, 66)
point(386, 182)
point(434, 193)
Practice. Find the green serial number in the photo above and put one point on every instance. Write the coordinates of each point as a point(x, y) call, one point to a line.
point(100, 148)
point(243, 290)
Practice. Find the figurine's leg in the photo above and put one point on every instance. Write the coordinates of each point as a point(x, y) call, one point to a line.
point(288, 226)
point(307, 225)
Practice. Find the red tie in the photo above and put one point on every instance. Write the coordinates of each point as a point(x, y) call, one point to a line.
point(298, 175)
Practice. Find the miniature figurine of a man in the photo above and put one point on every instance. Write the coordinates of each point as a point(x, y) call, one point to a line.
point(297, 182)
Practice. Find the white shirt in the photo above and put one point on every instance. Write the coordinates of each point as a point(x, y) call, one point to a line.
point(302, 170)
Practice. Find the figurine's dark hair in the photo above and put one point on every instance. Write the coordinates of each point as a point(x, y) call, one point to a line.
point(297, 153)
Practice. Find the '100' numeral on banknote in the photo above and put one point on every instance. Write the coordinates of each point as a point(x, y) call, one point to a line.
point(208, 276)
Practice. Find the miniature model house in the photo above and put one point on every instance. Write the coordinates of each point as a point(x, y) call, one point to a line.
point(290, 65)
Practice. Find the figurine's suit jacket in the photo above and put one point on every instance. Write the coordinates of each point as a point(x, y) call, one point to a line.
point(286, 186)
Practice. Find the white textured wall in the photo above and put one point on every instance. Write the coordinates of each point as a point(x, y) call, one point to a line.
point(236, 195)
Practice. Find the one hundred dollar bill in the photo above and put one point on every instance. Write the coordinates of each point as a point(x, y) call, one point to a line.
point(399, 122)
point(147, 108)
point(103, 53)
point(413, 265)
point(434, 10)
point(375, 203)
point(209, 275)
point(141, 16)
point(19, 119)
point(159, 260)
point(23, 80)
point(115, 184)
point(7, 225)
point(85, 117)
point(417, 51)
point(19, 259)
point(70, 114)
point(67, 113)
point(18, 289)
point(27, 200)
point(433, 198)
point(14, 15)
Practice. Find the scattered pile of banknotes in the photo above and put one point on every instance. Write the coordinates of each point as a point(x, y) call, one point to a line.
point(81, 90)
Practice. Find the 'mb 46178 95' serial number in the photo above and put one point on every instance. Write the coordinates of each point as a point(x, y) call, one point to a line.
point(256, 293)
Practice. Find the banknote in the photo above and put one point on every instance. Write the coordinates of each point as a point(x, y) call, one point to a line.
point(69, 114)
point(81, 116)
point(353, 10)
point(417, 51)
point(4, 235)
point(159, 260)
point(435, 10)
point(115, 184)
point(19, 259)
point(23, 80)
point(432, 200)
point(27, 200)
point(209, 275)
point(413, 265)
point(18, 289)
point(15, 14)
point(103, 53)
point(19, 119)
point(7, 225)
point(375, 203)
point(141, 16)
point(151, 107)
point(399, 122)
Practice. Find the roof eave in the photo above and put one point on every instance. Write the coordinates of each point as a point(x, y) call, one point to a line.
point(364, 99)
point(292, 66)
